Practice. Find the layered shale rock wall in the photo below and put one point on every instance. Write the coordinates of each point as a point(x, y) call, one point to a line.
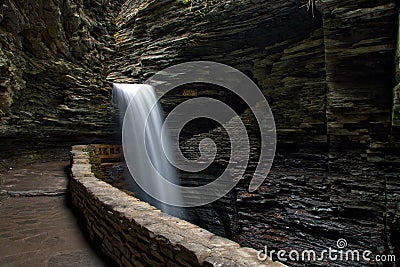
point(332, 82)
point(329, 81)
point(396, 90)
point(54, 63)
point(261, 38)
point(133, 233)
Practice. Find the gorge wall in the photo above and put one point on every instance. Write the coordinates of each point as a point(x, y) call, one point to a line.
point(330, 81)
point(54, 63)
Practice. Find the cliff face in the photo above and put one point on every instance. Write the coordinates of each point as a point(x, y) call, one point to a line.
point(329, 81)
point(53, 61)
point(261, 38)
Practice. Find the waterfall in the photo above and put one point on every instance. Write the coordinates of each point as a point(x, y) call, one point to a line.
point(144, 149)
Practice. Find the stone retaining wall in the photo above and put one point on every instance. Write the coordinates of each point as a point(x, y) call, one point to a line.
point(133, 233)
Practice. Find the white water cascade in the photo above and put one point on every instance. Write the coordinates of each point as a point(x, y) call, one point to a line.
point(144, 149)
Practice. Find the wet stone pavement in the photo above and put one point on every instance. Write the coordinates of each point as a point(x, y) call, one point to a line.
point(37, 228)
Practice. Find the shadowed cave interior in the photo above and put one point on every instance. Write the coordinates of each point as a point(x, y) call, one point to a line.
point(332, 81)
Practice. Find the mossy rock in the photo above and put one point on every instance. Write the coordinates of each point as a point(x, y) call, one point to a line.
point(95, 161)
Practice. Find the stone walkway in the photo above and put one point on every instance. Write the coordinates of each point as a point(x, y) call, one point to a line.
point(36, 226)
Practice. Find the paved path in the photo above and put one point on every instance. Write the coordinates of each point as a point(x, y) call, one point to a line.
point(36, 226)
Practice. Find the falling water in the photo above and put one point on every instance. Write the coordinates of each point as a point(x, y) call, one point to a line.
point(137, 112)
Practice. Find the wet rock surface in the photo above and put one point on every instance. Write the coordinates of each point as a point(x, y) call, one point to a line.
point(40, 230)
point(37, 177)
